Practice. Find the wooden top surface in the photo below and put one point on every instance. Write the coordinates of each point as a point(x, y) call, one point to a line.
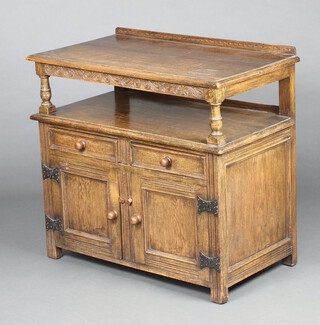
point(160, 117)
point(180, 59)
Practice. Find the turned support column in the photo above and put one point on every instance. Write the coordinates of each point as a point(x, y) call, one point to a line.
point(46, 106)
point(215, 97)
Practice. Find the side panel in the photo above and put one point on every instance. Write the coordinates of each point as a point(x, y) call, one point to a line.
point(256, 195)
point(258, 206)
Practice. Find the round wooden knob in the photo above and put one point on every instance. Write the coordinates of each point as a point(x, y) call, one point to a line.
point(166, 162)
point(135, 219)
point(80, 145)
point(112, 215)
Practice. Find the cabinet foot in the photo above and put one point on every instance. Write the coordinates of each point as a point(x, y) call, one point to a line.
point(52, 250)
point(291, 260)
point(219, 296)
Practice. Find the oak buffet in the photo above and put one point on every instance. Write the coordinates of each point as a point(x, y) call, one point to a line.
point(165, 173)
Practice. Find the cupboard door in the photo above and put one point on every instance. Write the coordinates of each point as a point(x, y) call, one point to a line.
point(89, 207)
point(166, 230)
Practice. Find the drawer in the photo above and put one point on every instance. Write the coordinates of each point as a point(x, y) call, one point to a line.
point(83, 144)
point(168, 160)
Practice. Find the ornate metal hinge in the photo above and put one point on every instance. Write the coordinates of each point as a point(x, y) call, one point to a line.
point(52, 173)
point(54, 224)
point(208, 206)
point(210, 262)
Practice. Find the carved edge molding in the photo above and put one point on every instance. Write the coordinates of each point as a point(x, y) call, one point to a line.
point(206, 40)
point(126, 82)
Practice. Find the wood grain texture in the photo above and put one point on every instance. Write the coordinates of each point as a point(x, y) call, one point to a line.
point(287, 94)
point(219, 245)
point(183, 163)
point(125, 81)
point(206, 41)
point(170, 229)
point(134, 165)
point(132, 113)
point(46, 106)
point(179, 65)
point(85, 195)
point(48, 195)
point(171, 234)
point(259, 261)
point(95, 146)
point(291, 260)
point(173, 272)
point(168, 61)
point(258, 218)
point(79, 193)
point(287, 106)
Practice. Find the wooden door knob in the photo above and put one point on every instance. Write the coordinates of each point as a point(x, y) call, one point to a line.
point(112, 215)
point(80, 145)
point(166, 162)
point(135, 219)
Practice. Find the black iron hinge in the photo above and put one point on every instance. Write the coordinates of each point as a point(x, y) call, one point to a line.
point(210, 262)
point(54, 224)
point(208, 206)
point(51, 173)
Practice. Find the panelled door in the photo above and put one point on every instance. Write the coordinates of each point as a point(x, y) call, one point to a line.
point(167, 232)
point(86, 198)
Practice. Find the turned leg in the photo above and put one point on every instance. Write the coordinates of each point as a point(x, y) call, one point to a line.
point(45, 93)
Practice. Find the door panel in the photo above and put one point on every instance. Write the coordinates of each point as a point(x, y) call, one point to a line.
point(86, 204)
point(170, 227)
point(172, 233)
point(87, 195)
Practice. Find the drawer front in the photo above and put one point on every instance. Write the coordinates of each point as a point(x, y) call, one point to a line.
point(84, 144)
point(168, 160)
